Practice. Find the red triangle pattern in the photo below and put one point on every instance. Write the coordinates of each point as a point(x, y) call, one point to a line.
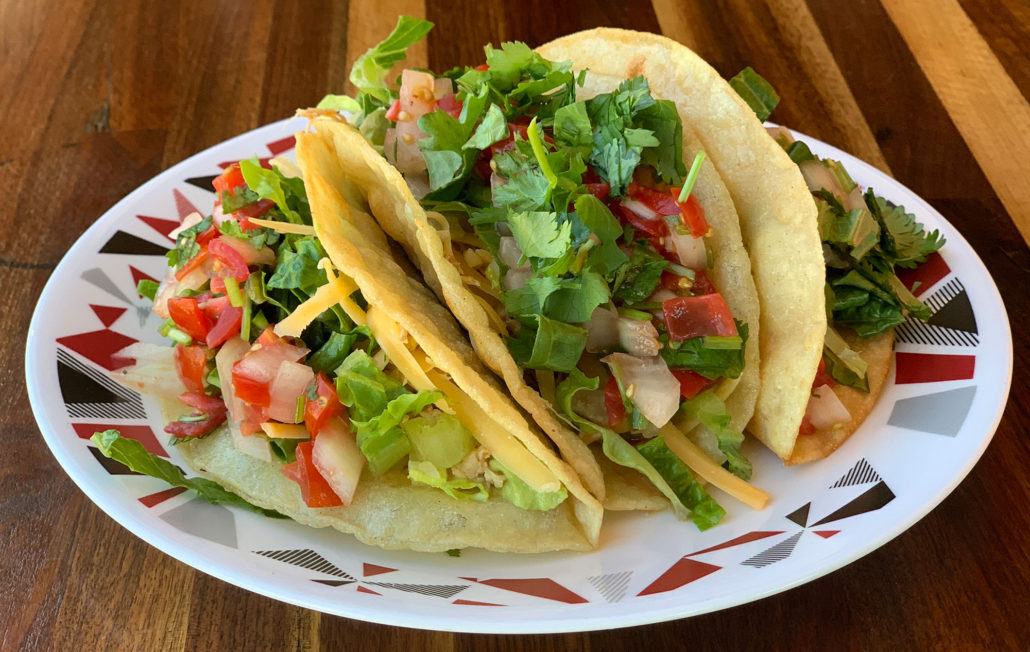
point(277, 147)
point(108, 314)
point(183, 206)
point(373, 569)
point(469, 579)
point(362, 589)
point(540, 587)
point(142, 434)
point(478, 604)
point(99, 346)
point(162, 226)
point(682, 572)
point(161, 496)
point(826, 534)
point(932, 367)
point(742, 539)
point(926, 274)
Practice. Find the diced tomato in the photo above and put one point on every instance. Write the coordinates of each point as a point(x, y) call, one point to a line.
point(482, 67)
point(252, 375)
point(660, 202)
point(675, 282)
point(652, 228)
point(191, 365)
point(806, 427)
point(394, 111)
point(822, 377)
point(687, 317)
point(693, 215)
point(255, 209)
point(192, 264)
point(228, 261)
point(599, 190)
point(450, 105)
point(207, 236)
point(314, 489)
point(251, 390)
point(691, 382)
point(325, 406)
point(702, 284)
point(613, 403)
point(230, 179)
point(202, 402)
point(228, 324)
point(184, 429)
point(509, 142)
point(188, 316)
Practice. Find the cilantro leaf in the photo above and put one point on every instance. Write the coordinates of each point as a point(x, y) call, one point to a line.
point(641, 275)
point(539, 234)
point(904, 239)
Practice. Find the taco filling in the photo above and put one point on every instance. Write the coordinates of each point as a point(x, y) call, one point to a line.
point(576, 235)
point(282, 370)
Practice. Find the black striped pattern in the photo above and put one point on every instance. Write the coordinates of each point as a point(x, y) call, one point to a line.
point(861, 473)
point(438, 590)
point(612, 586)
point(127, 404)
point(305, 558)
point(779, 552)
point(916, 331)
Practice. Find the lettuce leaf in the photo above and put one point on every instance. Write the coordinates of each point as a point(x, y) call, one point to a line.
point(132, 454)
point(708, 409)
point(520, 494)
point(459, 488)
point(381, 440)
point(704, 510)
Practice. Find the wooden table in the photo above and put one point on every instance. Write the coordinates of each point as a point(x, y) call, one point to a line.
point(100, 96)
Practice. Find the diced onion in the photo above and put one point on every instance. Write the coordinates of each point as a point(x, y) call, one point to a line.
point(290, 383)
point(227, 356)
point(825, 409)
point(638, 337)
point(640, 209)
point(690, 250)
point(649, 384)
point(154, 372)
point(250, 255)
point(602, 330)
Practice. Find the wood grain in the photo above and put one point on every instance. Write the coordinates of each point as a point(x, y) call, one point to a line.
point(100, 95)
point(978, 93)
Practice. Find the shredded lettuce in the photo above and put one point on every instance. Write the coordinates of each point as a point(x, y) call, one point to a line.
point(427, 473)
point(132, 454)
point(520, 494)
point(711, 361)
point(543, 343)
point(438, 438)
point(756, 91)
point(380, 438)
point(708, 409)
point(704, 510)
point(363, 388)
point(370, 70)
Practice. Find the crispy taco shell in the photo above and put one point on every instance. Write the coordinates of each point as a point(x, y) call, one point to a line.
point(390, 511)
point(777, 214)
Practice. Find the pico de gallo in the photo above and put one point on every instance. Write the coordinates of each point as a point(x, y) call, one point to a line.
point(273, 343)
point(573, 223)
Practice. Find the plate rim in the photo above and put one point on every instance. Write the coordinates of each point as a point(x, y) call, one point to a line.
point(473, 623)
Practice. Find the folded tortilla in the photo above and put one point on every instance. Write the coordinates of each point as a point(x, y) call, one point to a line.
point(390, 511)
point(419, 233)
point(778, 221)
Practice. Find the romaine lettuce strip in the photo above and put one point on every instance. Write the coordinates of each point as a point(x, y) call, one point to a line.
point(427, 473)
point(704, 510)
point(381, 440)
point(438, 438)
point(520, 494)
point(615, 448)
point(132, 454)
point(709, 410)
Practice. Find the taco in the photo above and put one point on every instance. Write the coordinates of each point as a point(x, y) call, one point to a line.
point(329, 386)
point(835, 255)
point(591, 252)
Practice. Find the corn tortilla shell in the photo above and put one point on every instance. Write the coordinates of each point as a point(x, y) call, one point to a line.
point(777, 214)
point(401, 216)
point(389, 511)
point(345, 234)
point(877, 351)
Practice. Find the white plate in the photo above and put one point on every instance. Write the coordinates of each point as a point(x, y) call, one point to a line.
point(943, 403)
